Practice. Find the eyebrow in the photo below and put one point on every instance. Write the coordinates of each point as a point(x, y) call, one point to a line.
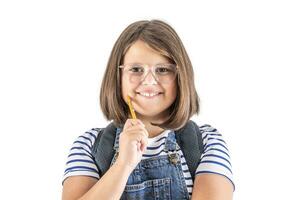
point(147, 64)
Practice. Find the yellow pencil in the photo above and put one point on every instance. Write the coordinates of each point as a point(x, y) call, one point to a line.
point(131, 107)
point(133, 116)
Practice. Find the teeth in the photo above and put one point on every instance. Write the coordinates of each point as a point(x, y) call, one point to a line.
point(149, 94)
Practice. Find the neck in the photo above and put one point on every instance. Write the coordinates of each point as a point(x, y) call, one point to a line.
point(152, 130)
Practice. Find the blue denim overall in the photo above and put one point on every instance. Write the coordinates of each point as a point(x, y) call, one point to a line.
point(159, 178)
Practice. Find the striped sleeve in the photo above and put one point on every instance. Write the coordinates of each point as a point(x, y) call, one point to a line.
point(80, 160)
point(215, 158)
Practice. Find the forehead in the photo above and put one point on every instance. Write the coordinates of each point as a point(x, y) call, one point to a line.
point(141, 52)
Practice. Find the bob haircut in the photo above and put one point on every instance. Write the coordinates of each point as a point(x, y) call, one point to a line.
point(162, 38)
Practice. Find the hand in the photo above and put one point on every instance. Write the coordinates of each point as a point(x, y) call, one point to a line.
point(133, 143)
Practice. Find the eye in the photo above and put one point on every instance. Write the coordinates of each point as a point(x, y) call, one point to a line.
point(136, 68)
point(164, 69)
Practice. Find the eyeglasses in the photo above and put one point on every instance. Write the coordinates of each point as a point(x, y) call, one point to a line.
point(163, 73)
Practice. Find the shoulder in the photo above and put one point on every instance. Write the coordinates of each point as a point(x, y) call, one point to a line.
point(80, 160)
point(212, 139)
point(88, 137)
point(204, 127)
point(91, 133)
point(210, 133)
point(207, 131)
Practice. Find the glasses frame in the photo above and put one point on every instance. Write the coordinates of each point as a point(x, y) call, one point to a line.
point(152, 69)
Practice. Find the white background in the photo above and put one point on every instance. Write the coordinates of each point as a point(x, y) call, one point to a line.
point(245, 56)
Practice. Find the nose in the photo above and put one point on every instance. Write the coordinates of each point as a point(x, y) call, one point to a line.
point(149, 79)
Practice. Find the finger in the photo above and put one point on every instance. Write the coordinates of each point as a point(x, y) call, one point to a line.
point(140, 122)
point(139, 146)
point(133, 122)
point(144, 143)
point(136, 134)
point(137, 129)
point(129, 123)
point(142, 125)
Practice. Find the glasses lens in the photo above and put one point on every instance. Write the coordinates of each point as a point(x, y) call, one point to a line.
point(135, 72)
point(164, 73)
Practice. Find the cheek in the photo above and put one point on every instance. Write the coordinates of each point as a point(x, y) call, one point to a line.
point(123, 87)
point(126, 87)
point(172, 93)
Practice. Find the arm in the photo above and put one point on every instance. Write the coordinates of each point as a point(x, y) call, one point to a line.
point(84, 187)
point(133, 142)
point(212, 187)
point(213, 179)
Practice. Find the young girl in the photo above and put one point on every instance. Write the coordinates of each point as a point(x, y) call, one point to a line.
point(149, 66)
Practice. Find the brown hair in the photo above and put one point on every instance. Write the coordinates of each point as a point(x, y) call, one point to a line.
point(161, 37)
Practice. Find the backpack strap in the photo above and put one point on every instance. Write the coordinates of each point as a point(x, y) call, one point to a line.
point(103, 146)
point(189, 138)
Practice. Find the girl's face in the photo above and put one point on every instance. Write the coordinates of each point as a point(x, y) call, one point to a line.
point(155, 108)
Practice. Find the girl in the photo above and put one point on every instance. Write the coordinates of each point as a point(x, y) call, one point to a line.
point(150, 66)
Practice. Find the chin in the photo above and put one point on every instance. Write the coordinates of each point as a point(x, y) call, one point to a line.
point(154, 116)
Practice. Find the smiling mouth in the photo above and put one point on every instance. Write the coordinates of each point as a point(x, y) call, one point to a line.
point(149, 95)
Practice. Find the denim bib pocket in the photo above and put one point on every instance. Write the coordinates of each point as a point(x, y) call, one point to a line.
point(157, 189)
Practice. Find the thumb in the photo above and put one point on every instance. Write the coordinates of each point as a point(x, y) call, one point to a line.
point(144, 144)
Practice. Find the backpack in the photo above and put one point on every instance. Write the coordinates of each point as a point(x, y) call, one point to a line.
point(189, 138)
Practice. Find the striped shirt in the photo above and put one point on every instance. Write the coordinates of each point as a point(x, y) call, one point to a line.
point(215, 158)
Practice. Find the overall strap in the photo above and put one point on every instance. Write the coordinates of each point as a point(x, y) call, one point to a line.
point(102, 150)
point(189, 138)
